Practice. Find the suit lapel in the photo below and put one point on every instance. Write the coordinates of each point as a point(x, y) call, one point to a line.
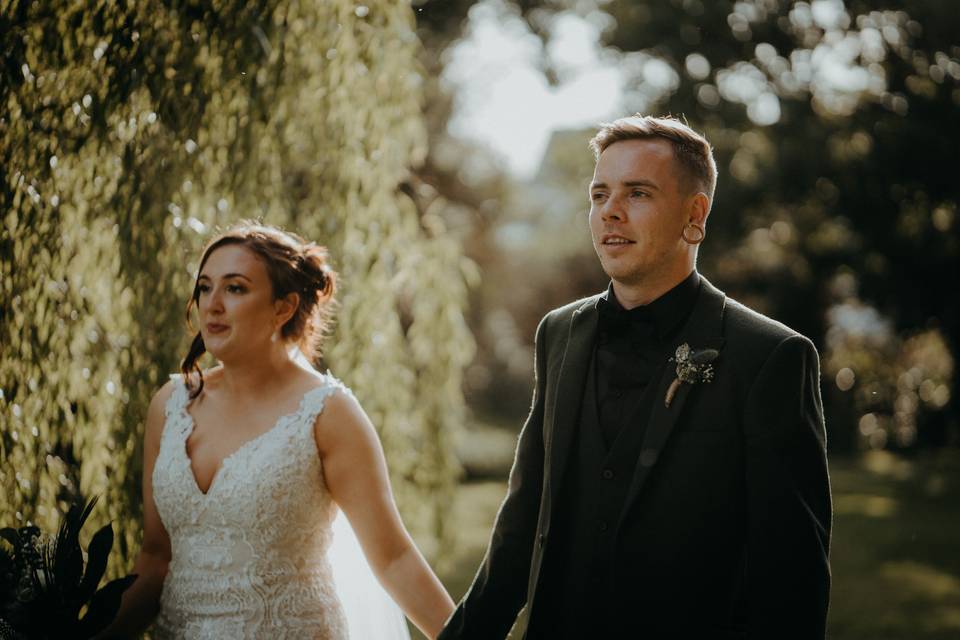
point(570, 386)
point(702, 331)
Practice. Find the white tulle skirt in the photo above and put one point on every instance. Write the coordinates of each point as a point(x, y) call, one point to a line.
point(371, 613)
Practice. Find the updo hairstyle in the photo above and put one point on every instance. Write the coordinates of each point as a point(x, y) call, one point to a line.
point(293, 266)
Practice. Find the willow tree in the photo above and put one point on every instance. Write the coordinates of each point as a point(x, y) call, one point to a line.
point(128, 132)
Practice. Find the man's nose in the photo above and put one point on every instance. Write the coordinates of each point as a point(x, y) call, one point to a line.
point(612, 209)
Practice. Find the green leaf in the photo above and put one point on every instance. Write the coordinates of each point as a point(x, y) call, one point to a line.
point(704, 356)
point(10, 535)
point(103, 607)
point(98, 552)
point(66, 568)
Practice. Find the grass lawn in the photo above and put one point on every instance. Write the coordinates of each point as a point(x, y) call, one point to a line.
point(895, 550)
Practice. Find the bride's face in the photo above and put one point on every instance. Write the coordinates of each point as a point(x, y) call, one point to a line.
point(236, 309)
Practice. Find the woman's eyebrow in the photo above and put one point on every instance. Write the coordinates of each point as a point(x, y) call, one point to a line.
point(229, 275)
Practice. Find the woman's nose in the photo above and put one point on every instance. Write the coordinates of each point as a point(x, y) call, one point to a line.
point(215, 301)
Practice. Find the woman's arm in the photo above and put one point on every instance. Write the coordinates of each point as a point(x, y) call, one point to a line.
point(141, 601)
point(356, 475)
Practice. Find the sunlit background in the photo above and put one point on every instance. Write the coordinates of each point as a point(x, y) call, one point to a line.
point(440, 150)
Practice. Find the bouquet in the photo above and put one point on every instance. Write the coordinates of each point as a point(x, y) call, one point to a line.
point(45, 591)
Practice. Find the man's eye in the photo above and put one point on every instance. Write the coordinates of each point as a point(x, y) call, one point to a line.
point(638, 194)
point(598, 196)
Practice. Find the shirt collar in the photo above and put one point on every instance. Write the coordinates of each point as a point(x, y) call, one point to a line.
point(666, 312)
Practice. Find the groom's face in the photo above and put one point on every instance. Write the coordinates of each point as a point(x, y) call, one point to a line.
point(637, 203)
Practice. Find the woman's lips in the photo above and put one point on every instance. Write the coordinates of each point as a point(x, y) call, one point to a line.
point(214, 328)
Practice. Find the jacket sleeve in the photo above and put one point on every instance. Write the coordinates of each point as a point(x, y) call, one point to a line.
point(788, 497)
point(499, 590)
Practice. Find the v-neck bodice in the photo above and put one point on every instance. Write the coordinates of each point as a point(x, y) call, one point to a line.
point(249, 556)
point(282, 422)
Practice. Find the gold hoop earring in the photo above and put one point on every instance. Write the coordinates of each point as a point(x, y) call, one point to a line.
point(701, 233)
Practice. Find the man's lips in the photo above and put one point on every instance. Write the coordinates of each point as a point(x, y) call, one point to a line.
point(213, 327)
point(613, 239)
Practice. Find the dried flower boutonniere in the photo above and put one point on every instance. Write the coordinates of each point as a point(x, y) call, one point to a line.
point(693, 366)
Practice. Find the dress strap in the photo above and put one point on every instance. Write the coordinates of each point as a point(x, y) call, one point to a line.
point(314, 400)
point(176, 408)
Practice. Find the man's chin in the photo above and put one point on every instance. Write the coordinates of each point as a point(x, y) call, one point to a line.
point(622, 274)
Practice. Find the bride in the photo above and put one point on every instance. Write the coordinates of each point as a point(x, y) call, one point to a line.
point(247, 463)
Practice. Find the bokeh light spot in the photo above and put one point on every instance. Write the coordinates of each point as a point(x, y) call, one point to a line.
point(845, 379)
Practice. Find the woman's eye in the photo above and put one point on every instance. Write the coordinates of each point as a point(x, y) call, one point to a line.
point(235, 288)
point(203, 288)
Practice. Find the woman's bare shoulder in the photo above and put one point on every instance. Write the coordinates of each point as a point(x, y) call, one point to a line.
point(341, 415)
point(340, 401)
point(162, 395)
point(158, 406)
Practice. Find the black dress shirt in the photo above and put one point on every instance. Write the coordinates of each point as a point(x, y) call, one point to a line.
point(632, 346)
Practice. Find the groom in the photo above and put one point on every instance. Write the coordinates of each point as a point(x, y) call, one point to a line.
point(671, 479)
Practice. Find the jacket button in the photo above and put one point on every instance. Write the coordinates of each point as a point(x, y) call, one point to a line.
point(608, 474)
point(603, 525)
point(543, 539)
point(648, 457)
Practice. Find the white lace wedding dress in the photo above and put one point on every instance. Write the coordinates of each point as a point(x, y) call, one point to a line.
point(250, 557)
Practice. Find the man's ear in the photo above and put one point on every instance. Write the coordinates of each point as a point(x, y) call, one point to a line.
point(699, 208)
point(285, 307)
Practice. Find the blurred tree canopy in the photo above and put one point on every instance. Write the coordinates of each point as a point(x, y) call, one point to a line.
point(128, 132)
point(835, 129)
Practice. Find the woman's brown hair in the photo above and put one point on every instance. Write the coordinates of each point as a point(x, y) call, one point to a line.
point(293, 266)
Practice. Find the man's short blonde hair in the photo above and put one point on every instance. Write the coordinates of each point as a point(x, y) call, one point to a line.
point(693, 153)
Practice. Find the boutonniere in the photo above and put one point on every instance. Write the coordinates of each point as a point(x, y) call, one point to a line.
point(693, 366)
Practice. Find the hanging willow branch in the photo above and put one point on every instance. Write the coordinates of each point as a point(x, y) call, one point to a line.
point(128, 132)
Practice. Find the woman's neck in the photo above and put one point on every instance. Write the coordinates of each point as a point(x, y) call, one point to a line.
point(253, 376)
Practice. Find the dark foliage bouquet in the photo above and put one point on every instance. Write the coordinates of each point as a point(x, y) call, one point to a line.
point(45, 593)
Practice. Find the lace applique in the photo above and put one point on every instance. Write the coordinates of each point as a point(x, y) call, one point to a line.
point(249, 556)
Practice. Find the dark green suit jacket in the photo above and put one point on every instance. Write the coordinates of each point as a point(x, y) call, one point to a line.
point(728, 514)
